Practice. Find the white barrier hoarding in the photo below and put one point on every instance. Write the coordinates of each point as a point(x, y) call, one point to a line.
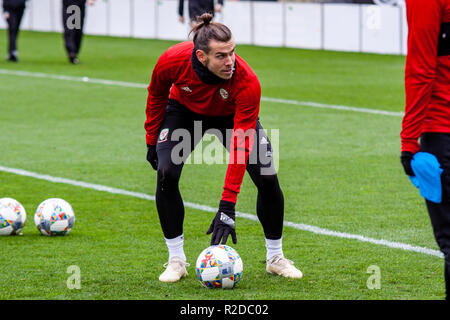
point(303, 25)
point(342, 27)
point(380, 29)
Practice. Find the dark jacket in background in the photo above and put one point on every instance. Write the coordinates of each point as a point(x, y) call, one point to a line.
point(13, 4)
point(76, 2)
point(197, 7)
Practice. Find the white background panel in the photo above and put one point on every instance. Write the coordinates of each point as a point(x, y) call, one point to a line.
point(236, 16)
point(268, 22)
point(41, 13)
point(96, 21)
point(27, 17)
point(303, 25)
point(144, 19)
point(341, 27)
point(120, 18)
point(57, 23)
point(168, 26)
point(346, 27)
point(3, 24)
point(381, 29)
point(404, 32)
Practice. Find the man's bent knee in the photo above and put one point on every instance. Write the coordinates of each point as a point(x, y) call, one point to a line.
point(168, 177)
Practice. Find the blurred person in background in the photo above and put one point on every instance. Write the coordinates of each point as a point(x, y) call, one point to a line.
point(73, 22)
point(13, 13)
point(427, 110)
point(197, 8)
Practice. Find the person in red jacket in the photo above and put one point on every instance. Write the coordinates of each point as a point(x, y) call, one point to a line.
point(427, 110)
point(203, 85)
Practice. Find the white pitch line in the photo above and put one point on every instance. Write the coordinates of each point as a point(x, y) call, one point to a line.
point(141, 85)
point(298, 226)
point(71, 78)
point(333, 106)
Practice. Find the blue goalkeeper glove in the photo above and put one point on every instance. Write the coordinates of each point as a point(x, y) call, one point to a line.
point(223, 224)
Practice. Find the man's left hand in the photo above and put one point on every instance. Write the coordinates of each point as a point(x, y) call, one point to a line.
point(152, 156)
point(223, 224)
point(405, 159)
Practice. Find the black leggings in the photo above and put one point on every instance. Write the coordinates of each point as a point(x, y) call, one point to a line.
point(270, 201)
point(73, 34)
point(15, 17)
point(438, 144)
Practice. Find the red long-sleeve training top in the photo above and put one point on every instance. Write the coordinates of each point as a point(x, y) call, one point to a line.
point(427, 72)
point(173, 77)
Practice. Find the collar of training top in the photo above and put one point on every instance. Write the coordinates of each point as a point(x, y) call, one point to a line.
point(203, 72)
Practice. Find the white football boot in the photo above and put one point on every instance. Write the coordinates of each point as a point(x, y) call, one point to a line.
point(175, 270)
point(281, 266)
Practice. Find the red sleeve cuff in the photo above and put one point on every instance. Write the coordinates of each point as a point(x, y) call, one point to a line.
point(410, 145)
point(229, 195)
point(151, 140)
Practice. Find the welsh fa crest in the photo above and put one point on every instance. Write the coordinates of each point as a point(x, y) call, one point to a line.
point(163, 135)
point(223, 93)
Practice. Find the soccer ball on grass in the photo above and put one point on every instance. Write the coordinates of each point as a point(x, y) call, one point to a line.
point(54, 217)
point(12, 217)
point(219, 267)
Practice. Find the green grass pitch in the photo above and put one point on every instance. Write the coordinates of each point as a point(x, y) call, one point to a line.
point(338, 170)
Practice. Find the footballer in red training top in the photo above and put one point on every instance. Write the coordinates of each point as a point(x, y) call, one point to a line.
point(203, 85)
point(427, 111)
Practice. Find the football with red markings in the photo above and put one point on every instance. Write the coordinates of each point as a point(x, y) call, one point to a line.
point(54, 217)
point(12, 217)
point(219, 267)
